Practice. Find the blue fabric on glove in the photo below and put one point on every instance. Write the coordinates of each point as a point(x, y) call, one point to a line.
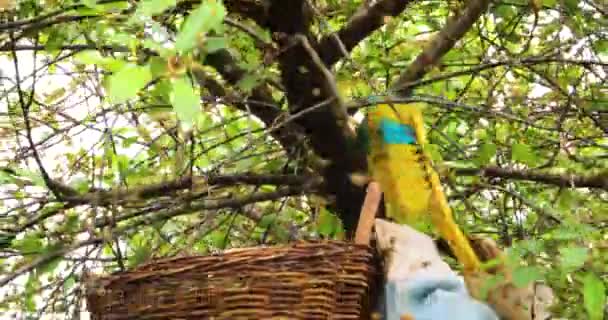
point(434, 299)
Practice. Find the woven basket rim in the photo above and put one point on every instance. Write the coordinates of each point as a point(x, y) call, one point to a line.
point(282, 250)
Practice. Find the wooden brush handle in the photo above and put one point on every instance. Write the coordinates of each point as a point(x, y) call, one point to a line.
point(368, 214)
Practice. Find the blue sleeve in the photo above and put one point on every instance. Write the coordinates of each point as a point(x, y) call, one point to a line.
point(432, 298)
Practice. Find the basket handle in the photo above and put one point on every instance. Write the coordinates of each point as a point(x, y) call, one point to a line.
point(368, 213)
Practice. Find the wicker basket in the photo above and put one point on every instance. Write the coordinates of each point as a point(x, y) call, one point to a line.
point(318, 280)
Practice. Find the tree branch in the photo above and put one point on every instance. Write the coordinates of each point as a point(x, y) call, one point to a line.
point(46, 258)
point(74, 47)
point(454, 30)
point(366, 20)
point(25, 108)
point(105, 197)
point(506, 63)
point(289, 136)
point(167, 188)
point(255, 10)
point(329, 86)
point(598, 181)
point(161, 216)
point(213, 204)
point(306, 88)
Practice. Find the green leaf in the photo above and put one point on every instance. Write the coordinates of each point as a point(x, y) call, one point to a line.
point(565, 233)
point(54, 95)
point(162, 91)
point(434, 152)
point(532, 246)
point(121, 38)
point(31, 243)
point(566, 199)
point(31, 287)
point(120, 163)
point(107, 249)
point(572, 5)
point(523, 153)
point(92, 57)
point(485, 154)
point(213, 44)
point(69, 282)
point(153, 7)
point(208, 16)
point(594, 295)
point(203, 121)
point(502, 133)
point(327, 223)
point(108, 149)
point(54, 40)
point(48, 266)
point(505, 10)
point(112, 6)
point(267, 220)
point(127, 82)
point(573, 258)
point(459, 164)
point(522, 276)
point(248, 82)
point(6, 239)
point(218, 238)
point(35, 177)
point(549, 3)
point(6, 177)
point(71, 223)
point(158, 66)
point(158, 47)
point(281, 234)
point(140, 254)
point(451, 129)
point(90, 3)
point(185, 101)
point(601, 46)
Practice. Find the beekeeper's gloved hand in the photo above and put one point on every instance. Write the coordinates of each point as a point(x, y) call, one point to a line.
point(434, 299)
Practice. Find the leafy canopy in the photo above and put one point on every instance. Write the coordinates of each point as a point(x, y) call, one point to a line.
point(134, 130)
